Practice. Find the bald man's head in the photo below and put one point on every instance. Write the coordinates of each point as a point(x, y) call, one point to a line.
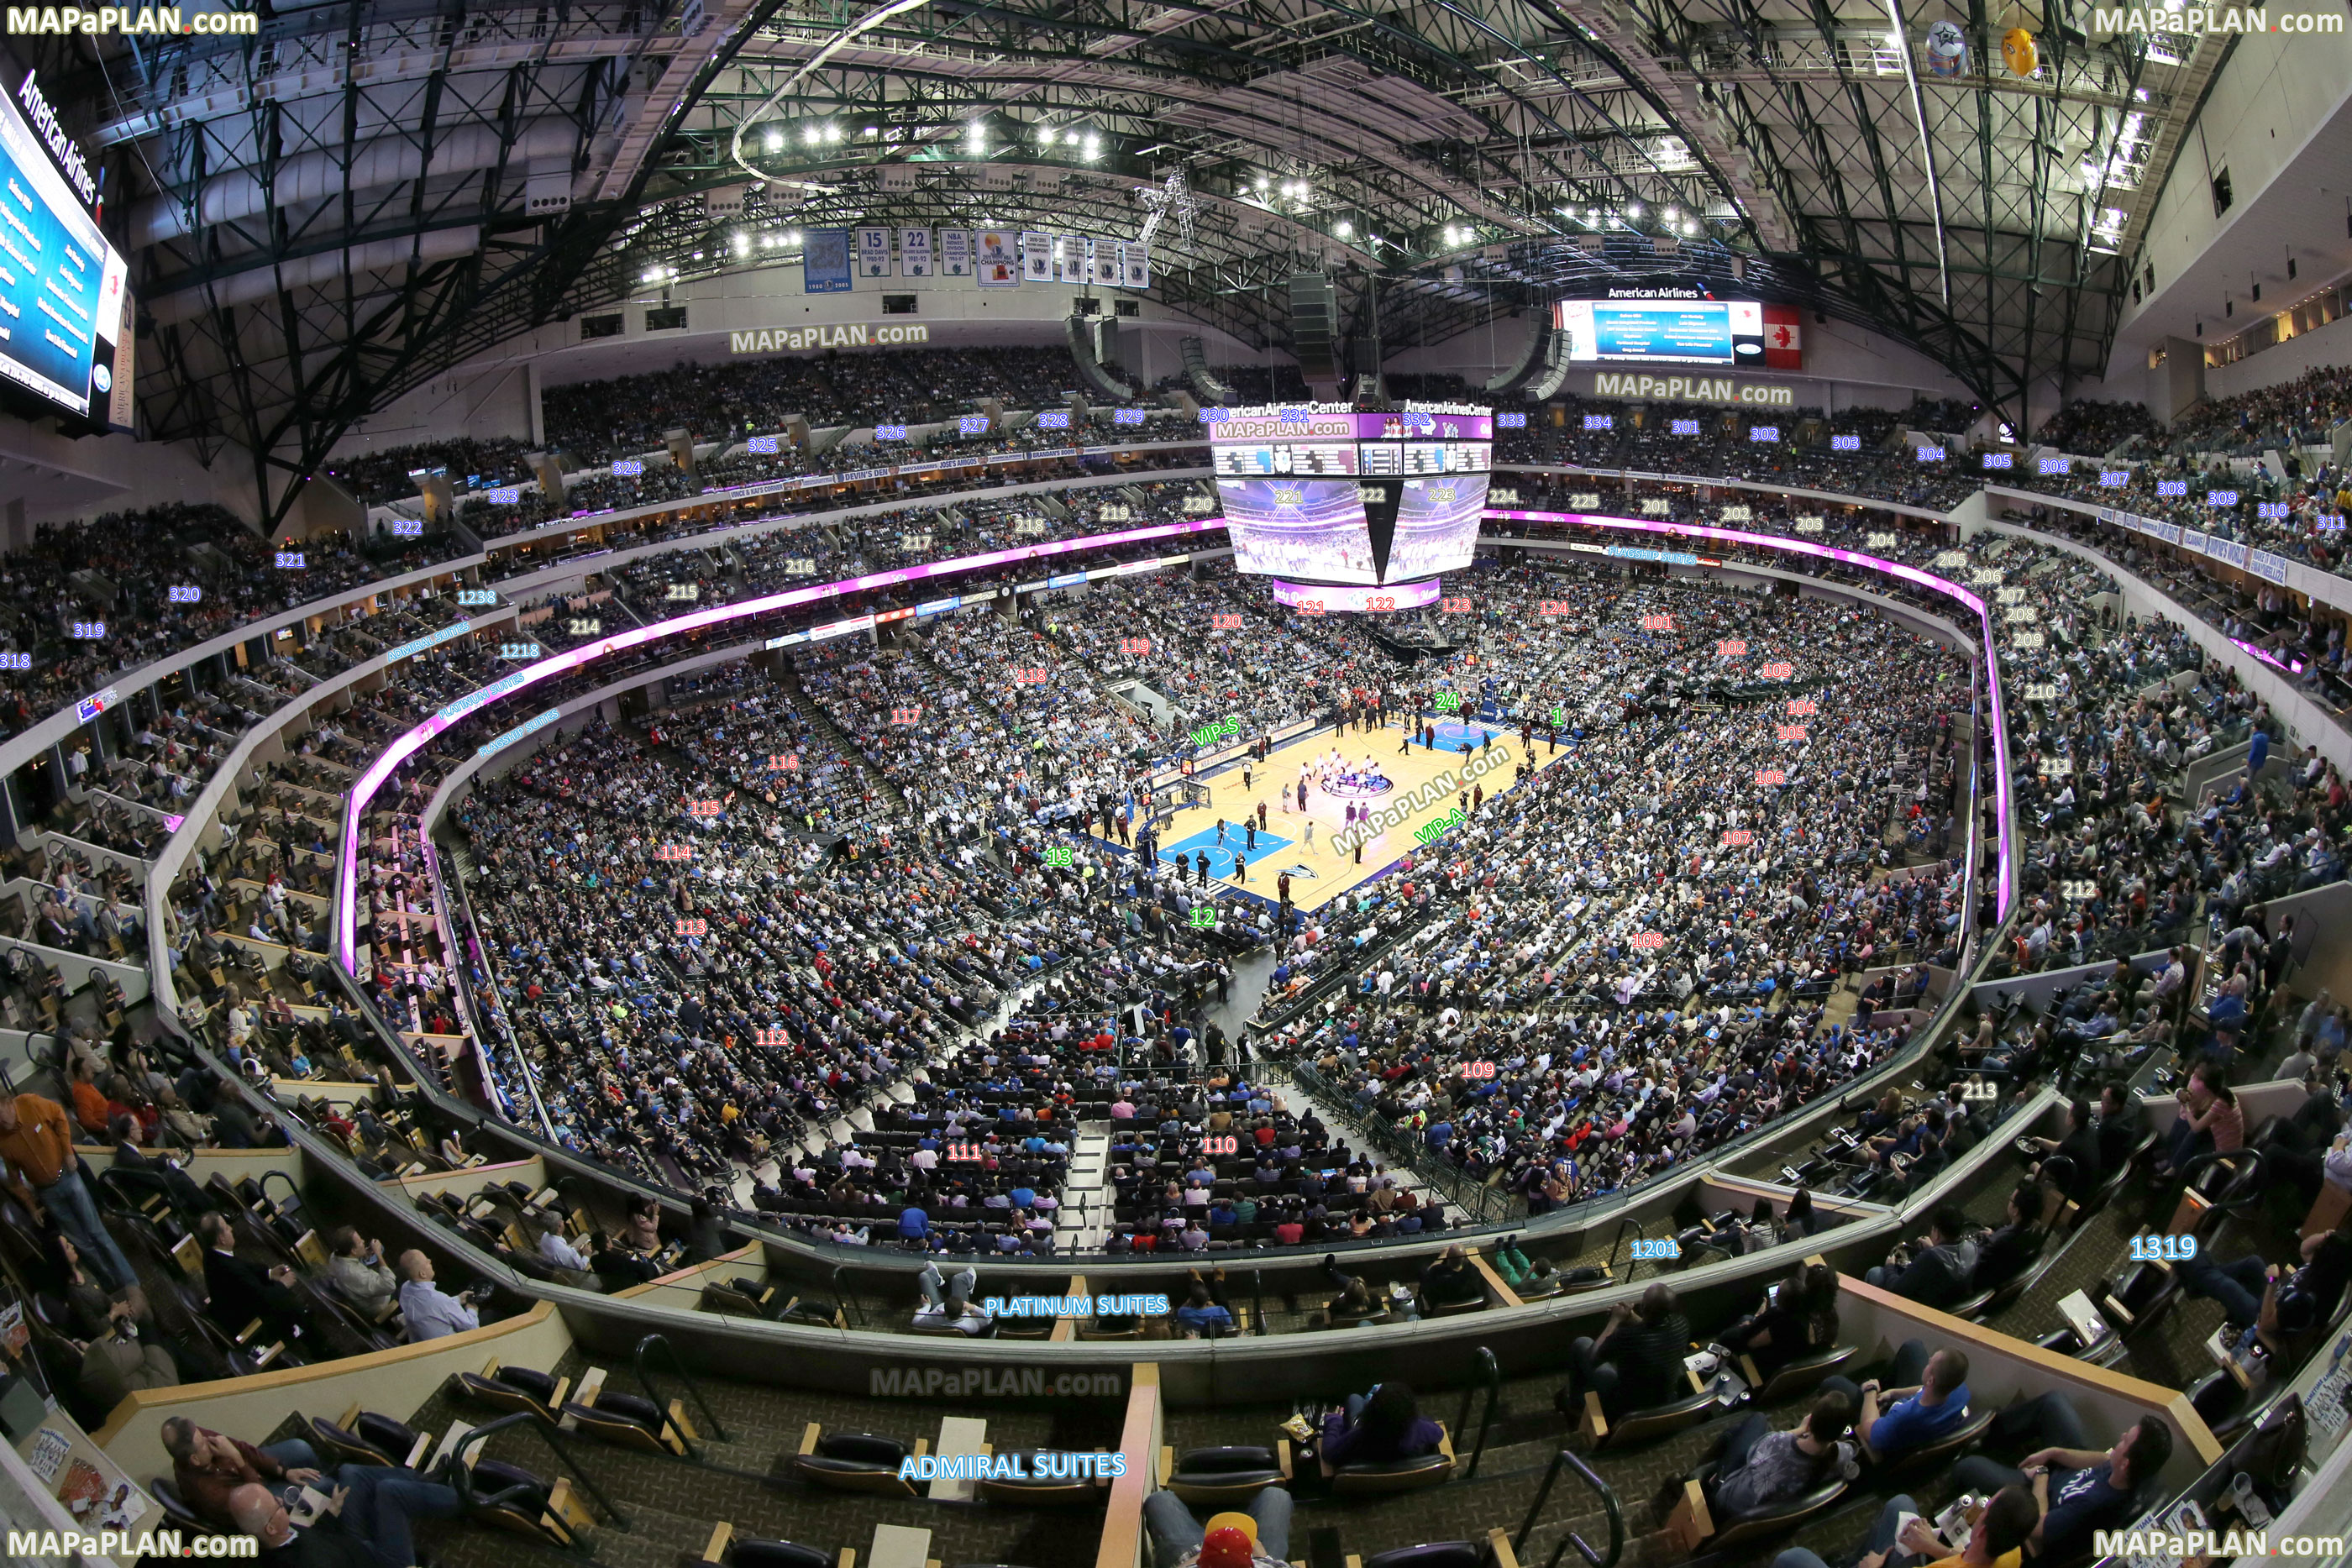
point(258, 1513)
point(415, 1265)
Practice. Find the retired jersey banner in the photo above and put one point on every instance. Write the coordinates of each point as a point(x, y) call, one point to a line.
point(1106, 263)
point(1135, 265)
point(1036, 259)
point(824, 262)
point(914, 253)
point(1076, 256)
point(999, 261)
point(955, 253)
point(873, 253)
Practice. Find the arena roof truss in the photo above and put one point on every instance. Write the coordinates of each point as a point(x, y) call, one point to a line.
point(323, 217)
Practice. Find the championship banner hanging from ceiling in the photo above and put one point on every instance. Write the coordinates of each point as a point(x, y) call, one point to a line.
point(914, 253)
point(1106, 264)
point(1135, 265)
point(1075, 257)
point(824, 262)
point(873, 253)
point(1036, 258)
point(955, 253)
point(999, 263)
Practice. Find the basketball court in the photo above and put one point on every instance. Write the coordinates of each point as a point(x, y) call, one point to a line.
point(1322, 872)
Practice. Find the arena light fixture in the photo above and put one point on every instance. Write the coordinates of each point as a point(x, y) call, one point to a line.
point(832, 133)
point(1093, 148)
point(1044, 136)
point(1673, 214)
point(775, 140)
point(1634, 212)
point(1344, 229)
point(811, 136)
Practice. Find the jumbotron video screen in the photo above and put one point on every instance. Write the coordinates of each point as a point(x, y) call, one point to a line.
point(1326, 492)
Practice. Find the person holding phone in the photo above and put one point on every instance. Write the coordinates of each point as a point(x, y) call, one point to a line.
point(430, 1312)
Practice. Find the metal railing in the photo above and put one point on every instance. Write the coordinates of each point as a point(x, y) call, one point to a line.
point(1562, 1460)
point(645, 1382)
point(1491, 1375)
point(529, 1421)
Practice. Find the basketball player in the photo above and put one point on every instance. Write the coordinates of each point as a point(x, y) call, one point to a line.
point(1310, 833)
point(1220, 827)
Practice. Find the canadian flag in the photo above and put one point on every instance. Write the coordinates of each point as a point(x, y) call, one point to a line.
point(1784, 341)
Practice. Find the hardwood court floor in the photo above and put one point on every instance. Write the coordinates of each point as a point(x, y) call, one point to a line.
point(1328, 872)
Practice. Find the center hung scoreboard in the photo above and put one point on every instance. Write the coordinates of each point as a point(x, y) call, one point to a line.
point(1328, 496)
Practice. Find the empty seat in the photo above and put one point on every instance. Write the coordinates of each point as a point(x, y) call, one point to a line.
point(1223, 1478)
point(855, 1461)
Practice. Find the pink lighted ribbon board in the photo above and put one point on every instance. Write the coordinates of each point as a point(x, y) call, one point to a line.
point(1911, 574)
point(407, 746)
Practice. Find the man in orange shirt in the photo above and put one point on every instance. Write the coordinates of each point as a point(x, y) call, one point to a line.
point(38, 1142)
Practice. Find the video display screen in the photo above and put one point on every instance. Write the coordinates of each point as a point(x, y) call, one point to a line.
point(1293, 457)
point(1661, 331)
point(1298, 528)
point(1436, 526)
point(61, 284)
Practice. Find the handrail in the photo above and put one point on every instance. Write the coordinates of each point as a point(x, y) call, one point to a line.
point(645, 1382)
point(1491, 1373)
point(1564, 1459)
point(849, 1302)
point(1257, 1302)
point(530, 1420)
point(264, 1185)
point(1628, 1223)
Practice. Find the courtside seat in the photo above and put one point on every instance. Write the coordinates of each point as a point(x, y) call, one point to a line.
point(855, 1461)
point(1223, 1478)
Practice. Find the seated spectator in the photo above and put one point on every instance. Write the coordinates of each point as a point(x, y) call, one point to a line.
point(357, 1270)
point(1760, 1467)
point(2079, 1147)
point(2120, 1124)
point(1636, 1361)
point(2209, 1121)
point(429, 1311)
point(1377, 1427)
point(1202, 1314)
point(1893, 1420)
point(368, 1523)
point(1797, 1317)
point(1897, 1542)
point(947, 1301)
point(557, 1249)
point(2002, 1255)
point(2078, 1489)
point(240, 1292)
point(1452, 1279)
point(1939, 1275)
point(1257, 1536)
point(2264, 1304)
